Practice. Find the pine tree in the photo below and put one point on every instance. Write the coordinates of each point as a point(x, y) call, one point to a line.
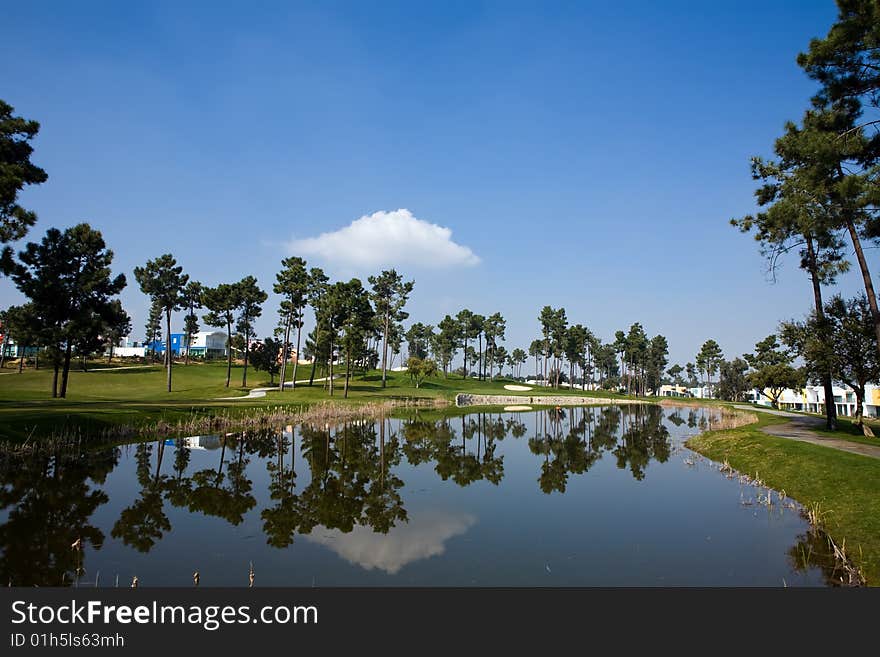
point(163, 280)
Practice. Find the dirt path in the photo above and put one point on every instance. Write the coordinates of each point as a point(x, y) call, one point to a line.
point(801, 427)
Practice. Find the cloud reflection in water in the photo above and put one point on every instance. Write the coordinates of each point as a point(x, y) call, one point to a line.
point(422, 537)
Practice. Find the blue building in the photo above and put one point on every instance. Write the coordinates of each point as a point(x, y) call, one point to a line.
point(158, 346)
point(12, 350)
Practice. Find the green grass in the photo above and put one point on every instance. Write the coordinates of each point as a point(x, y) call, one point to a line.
point(848, 430)
point(137, 397)
point(846, 485)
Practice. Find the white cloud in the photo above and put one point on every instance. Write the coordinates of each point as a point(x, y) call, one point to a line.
point(387, 238)
point(424, 536)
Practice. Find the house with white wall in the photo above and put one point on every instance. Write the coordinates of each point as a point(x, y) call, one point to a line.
point(811, 399)
point(667, 390)
point(208, 344)
point(872, 400)
point(127, 348)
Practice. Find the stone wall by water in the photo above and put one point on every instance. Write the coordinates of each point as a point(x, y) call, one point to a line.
point(464, 399)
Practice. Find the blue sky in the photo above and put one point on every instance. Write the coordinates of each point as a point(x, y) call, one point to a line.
point(587, 154)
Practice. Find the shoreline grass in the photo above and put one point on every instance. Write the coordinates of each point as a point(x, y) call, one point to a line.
point(120, 404)
point(135, 398)
point(845, 485)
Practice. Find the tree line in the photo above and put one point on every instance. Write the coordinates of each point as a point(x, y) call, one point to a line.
point(818, 198)
point(72, 310)
point(564, 353)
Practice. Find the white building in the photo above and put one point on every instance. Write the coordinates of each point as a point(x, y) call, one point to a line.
point(811, 399)
point(208, 344)
point(872, 401)
point(202, 442)
point(128, 348)
point(128, 352)
point(703, 392)
point(667, 390)
point(205, 344)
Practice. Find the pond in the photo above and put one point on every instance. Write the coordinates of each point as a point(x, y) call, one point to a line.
point(575, 497)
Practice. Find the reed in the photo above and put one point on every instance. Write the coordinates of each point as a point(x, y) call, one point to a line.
point(845, 570)
point(321, 414)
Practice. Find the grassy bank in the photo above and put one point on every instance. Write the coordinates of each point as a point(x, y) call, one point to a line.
point(137, 397)
point(846, 486)
point(849, 430)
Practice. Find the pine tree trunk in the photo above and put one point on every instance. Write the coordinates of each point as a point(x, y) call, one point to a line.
point(54, 381)
point(247, 342)
point(330, 382)
point(830, 409)
point(860, 401)
point(188, 339)
point(167, 360)
point(314, 367)
point(66, 371)
point(228, 351)
point(384, 352)
point(168, 344)
point(866, 276)
point(347, 372)
point(296, 358)
point(284, 354)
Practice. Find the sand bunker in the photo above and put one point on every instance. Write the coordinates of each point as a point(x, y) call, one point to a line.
point(256, 393)
point(517, 408)
point(517, 388)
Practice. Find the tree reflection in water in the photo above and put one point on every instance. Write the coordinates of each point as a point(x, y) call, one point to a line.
point(144, 522)
point(336, 480)
point(225, 495)
point(49, 499)
point(572, 440)
point(813, 550)
point(353, 478)
point(644, 438)
point(455, 460)
point(280, 521)
point(352, 482)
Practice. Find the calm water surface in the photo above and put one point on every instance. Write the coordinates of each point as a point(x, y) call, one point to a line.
point(585, 496)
